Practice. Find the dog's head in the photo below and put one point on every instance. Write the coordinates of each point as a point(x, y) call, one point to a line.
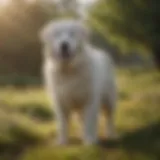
point(64, 38)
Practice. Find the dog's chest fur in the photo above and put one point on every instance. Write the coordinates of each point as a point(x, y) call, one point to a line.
point(73, 88)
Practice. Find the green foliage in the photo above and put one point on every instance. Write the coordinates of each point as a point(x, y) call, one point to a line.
point(19, 81)
point(27, 119)
point(129, 24)
point(70, 153)
point(36, 110)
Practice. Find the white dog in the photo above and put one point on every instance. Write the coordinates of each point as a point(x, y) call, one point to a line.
point(77, 76)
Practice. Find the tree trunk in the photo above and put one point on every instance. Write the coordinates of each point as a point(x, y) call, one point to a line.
point(156, 55)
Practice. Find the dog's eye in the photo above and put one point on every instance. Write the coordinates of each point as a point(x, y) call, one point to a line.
point(56, 34)
point(72, 33)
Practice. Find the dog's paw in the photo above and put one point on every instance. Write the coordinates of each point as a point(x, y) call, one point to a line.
point(61, 142)
point(112, 136)
point(90, 142)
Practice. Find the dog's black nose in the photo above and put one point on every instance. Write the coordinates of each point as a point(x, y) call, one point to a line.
point(64, 47)
point(65, 50)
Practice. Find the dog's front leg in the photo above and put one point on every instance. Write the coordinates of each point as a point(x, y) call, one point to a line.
point(61, 115)
point(62, 125)
point(90, 122)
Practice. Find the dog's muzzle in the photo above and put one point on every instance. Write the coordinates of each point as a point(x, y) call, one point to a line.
point(65, 50)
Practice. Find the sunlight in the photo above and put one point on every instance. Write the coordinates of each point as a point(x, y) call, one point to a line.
point(3, 2)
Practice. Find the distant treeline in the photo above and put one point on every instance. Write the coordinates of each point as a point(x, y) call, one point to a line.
point(20, 48)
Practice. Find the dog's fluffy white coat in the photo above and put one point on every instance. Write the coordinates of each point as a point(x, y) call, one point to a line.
point(86, 83)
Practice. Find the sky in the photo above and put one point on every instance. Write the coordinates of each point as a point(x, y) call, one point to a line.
point(83, 1)
point(82, 9)
point(2, 1)
point(86, 1)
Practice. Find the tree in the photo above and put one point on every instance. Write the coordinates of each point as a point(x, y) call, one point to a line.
point(20, 47)
point(68, 8)
point(130, 24)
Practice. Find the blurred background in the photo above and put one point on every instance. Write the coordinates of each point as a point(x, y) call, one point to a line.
point(129, 30)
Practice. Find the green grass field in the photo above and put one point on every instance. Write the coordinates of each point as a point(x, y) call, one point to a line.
point(27, 126)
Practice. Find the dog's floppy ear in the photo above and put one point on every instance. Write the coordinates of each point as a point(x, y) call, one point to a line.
point(44, 32)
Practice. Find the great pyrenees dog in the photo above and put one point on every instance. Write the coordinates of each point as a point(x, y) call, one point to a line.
point(79, 77)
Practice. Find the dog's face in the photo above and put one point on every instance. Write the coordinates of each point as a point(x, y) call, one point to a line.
point(64, 38)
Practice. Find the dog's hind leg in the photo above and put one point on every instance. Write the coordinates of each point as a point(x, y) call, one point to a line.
point(109, 111)
point(90, 122)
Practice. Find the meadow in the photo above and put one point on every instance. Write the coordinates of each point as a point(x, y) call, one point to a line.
point(27, 126)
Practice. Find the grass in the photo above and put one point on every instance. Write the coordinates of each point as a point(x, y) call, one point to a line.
point(27, 126)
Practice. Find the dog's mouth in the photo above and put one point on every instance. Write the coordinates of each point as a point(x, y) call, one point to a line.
point(65, 50)
point(65, 55)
